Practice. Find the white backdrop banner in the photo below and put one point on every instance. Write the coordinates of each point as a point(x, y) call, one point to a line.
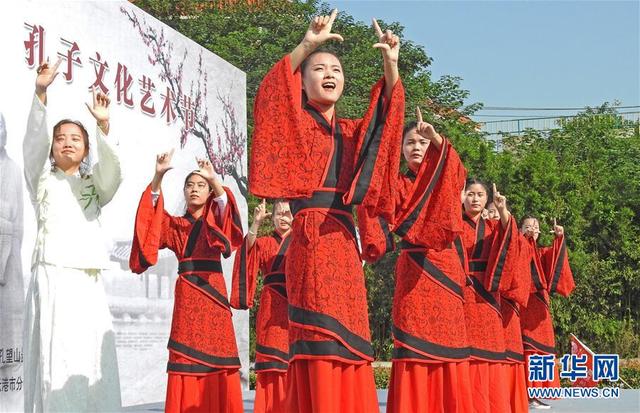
point(166, 92)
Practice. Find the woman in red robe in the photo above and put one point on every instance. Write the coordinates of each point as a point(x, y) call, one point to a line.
point(550, 273)
point(325, 164)
point(267, 255)
point(203, 357)
point(430, 371)
point(513, 300)
point(494, 255)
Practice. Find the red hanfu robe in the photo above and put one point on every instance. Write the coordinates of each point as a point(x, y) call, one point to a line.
point(493, 254)
point(272, 325)
point(203, 357)
point(325, 167)
point(430, 369)
point(550, 273)
point(513, 299)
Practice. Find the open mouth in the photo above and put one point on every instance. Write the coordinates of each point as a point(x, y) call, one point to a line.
point(330, 85)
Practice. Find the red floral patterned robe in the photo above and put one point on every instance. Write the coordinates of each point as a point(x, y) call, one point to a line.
point(494, 255)
point(550, 273)
point(325, 167)
point(267, 255)
point(202, 340)
point(430, 369)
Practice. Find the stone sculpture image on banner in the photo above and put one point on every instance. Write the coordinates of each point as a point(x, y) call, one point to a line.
point(166, 92)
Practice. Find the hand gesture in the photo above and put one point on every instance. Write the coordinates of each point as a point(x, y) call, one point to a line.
point(426, 130)
point(558, 230)
point(499, 200)
point(205, 170)
point(100, 108)
point(319, 30)
point(260, 213)
point(388, 43)
point(163, 162)
point(46, 75)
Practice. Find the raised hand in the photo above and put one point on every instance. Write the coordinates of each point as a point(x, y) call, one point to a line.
point(319, 30)
point(163, 162)
point(499, 200)
point(46, 75)
point(205, 170)
point(260, 213)
point(388, 43)
point(100, 109)
point(426, 130)
point(558, 230)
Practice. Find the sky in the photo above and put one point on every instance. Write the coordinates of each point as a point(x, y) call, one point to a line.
point(561, 54)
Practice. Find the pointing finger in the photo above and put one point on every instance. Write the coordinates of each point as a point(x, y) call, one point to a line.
point(377, 28)
point(55, 67)
point(332, 18)
point(418, 114)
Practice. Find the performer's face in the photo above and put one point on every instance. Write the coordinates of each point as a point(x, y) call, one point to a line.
point(69, 147)
point(475, 199)
point(531, 228)
point(196, 191)
point(323, 80)
point(414, 148)
point(282, 216)
point(492, 212)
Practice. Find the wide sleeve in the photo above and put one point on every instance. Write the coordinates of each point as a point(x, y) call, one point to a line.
point(378, 145)
point(431, 214)
point(154, 229)
point(106, 173)
point(224, 228)
point(248, 262)
point(279, 166)
point(557, 271)
point(36, 147)
point(376, 239)
point(516, 284)
point(504, 258)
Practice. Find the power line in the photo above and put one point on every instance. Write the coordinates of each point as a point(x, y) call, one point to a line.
point(555, 109)
point(560, 117)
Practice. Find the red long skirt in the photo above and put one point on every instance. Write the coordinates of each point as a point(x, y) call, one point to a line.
point(429, 387)
point(328, 386)
point(517, 388)
point(490, 387)
point(541, 384)
point(218, 392)
point(271, 392)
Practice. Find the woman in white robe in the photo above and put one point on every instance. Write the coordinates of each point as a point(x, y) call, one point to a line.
point(70, 355)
